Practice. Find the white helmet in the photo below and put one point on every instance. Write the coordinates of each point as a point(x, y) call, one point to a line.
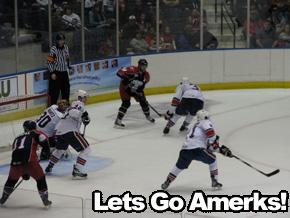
point(202, 115)
point(81, 94)
point(185, 80)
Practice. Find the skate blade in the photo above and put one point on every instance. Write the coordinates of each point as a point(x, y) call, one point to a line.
point(216, 188)
point(47, 207)
point(119, 127)
point(79, 178)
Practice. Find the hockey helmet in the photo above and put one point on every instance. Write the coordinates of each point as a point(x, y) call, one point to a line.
point(82, 95)
point(202, 115)
point(185, 80)
point(143, 62)
point(29, 125)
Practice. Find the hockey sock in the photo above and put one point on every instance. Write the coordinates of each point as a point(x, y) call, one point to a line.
point(120, 115)
point(123, 109)
point(81, 159)
point(174, 173)
point(173, 120)
point(213, 170)
point(41, 185)
point(8, 189)
point(187, 120)
point(145, 108)
point(55, 156)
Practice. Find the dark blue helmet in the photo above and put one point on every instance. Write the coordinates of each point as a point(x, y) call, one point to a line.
point(29, 125)
point(143, 62)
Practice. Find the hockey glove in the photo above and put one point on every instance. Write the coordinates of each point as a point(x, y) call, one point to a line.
point(44, 155)
point(225, 151)
point(213, 145)
point(85, 118)
point(168, 115)
point(25, 177)
point(136, 86)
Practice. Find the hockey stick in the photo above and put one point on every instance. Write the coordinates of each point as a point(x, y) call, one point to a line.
point(159, 114)
point(84, 132)
point(265, 174)
point(15, 187)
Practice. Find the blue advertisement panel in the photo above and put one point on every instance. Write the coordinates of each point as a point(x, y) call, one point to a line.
point(95, 77)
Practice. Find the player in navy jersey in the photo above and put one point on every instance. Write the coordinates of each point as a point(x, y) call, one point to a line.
point(24, 162)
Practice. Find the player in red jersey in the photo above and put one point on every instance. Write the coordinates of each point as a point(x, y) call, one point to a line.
point(133, 81)
point(24, 162)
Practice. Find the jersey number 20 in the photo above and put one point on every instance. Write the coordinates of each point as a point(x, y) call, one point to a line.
point(43, 120)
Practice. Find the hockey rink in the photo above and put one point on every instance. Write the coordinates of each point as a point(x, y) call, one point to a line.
point(254, 124)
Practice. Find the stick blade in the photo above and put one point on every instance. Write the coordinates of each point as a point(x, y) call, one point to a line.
point(273, 173)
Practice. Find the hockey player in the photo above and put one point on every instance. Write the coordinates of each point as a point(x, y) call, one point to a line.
point(187, 100)
point(47, 122)
point(24, 162)
point(199, 145)
point(68, 133)
point(133, 81)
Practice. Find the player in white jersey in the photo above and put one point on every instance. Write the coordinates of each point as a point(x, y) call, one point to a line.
point(199, 145)
point(187, 100)
point(68, 133)
point(47, 122)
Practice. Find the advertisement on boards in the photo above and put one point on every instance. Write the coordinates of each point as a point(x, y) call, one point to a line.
point(8, 90)
point(94, 77)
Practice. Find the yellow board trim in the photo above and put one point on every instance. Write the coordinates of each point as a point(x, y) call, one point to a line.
point(152, 91)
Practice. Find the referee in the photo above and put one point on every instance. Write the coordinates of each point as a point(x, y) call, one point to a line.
point(58, 66)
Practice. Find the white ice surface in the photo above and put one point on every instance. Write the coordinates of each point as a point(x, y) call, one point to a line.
point(253, 123)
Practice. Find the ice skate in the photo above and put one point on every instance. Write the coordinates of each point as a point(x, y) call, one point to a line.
point(216, 185)
point(48, 169)
point(166, 184)
point(77, 174)
point(183, 128)
point(150, 119)
point(44, 197)
point(119, 124)
point(3, 199)
point(166, 130)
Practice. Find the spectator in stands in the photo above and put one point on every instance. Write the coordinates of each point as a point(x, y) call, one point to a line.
point(89, 4)
point(97, 17)
point(266, 36)
point(284, 38)
point(139, 44)
point(109, 8)
point(71, 20)
point(167, 40)
point(184, 41)
point(130, 28)
point(150, 34)
point(123, 13)
point(143, 23)
point(280, 15)
point(106, 48)
point(255, 23)
point(209, 40)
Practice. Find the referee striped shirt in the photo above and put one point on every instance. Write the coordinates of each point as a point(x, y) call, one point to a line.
point(58, 59)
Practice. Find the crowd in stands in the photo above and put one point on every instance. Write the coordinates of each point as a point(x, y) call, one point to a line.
point(179, 24)
point(269, 23)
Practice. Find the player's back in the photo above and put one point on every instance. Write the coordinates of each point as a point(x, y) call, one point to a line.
point(191, 91)
point(24, 148)
point(198, 135)
point(47, 122)
point(71, 122)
